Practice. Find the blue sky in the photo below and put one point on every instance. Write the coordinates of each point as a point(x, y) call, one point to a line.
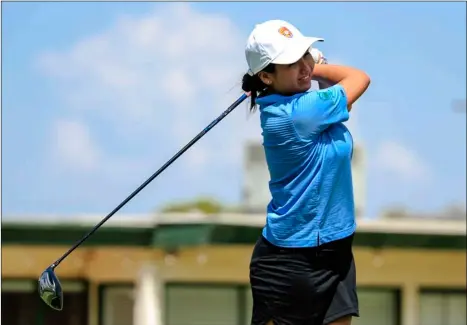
point(96, 96)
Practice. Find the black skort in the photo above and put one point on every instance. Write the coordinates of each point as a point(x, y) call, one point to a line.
point(303, 286)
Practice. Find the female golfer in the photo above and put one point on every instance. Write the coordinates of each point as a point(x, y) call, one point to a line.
point(302, 270)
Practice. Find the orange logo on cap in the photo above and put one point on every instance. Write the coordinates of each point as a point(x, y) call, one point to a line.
point(285, 32)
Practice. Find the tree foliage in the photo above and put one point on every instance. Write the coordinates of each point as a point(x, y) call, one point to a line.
point(200, 205)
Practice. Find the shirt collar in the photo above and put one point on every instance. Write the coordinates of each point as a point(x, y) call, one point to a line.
point(274, 98)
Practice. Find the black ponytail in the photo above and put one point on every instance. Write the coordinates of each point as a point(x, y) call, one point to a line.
point(255, 86)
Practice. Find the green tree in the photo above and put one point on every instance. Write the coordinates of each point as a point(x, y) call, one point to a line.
point(203, 205)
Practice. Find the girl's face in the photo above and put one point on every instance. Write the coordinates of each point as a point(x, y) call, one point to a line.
point(289, 79)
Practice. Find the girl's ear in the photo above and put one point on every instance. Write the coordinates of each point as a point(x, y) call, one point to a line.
point(265, 77)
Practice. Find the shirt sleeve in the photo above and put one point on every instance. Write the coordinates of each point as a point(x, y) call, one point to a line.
point(317, 110)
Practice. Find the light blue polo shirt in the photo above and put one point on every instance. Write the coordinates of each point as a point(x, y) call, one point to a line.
point(308, 151)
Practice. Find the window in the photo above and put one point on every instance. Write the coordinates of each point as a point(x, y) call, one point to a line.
point(20, 302)
point(377, 307)
point(443, 307)
point(248, 298)
point(117, 305)
point(19, 298)
point(202, 304)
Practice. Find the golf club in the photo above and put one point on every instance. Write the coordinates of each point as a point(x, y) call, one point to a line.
point(50, 289)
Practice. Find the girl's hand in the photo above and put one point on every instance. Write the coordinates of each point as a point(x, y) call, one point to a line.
point(318, 56)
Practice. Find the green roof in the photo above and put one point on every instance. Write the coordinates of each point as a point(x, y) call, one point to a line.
point(173, 231)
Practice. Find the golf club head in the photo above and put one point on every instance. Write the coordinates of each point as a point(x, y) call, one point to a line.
point(50, 289)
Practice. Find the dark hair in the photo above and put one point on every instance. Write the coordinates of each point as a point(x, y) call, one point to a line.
point(255, 86)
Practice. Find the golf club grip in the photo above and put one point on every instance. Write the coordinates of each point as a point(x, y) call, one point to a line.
point(153, 176)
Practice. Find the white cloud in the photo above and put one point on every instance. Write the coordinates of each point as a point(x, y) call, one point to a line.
point(179, 86)
point(401, 162)
point(164, 74)
point(73, 145)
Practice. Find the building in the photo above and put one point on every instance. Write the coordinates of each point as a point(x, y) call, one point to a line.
point(256, 195)
point(359, 179)
point(193, 269)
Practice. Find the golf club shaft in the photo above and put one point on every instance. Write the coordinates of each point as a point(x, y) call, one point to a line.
point(150, 179)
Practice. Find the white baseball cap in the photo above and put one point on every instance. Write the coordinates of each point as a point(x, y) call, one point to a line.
point(275, 41)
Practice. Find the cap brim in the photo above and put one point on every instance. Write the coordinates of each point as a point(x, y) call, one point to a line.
point(295, 50)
